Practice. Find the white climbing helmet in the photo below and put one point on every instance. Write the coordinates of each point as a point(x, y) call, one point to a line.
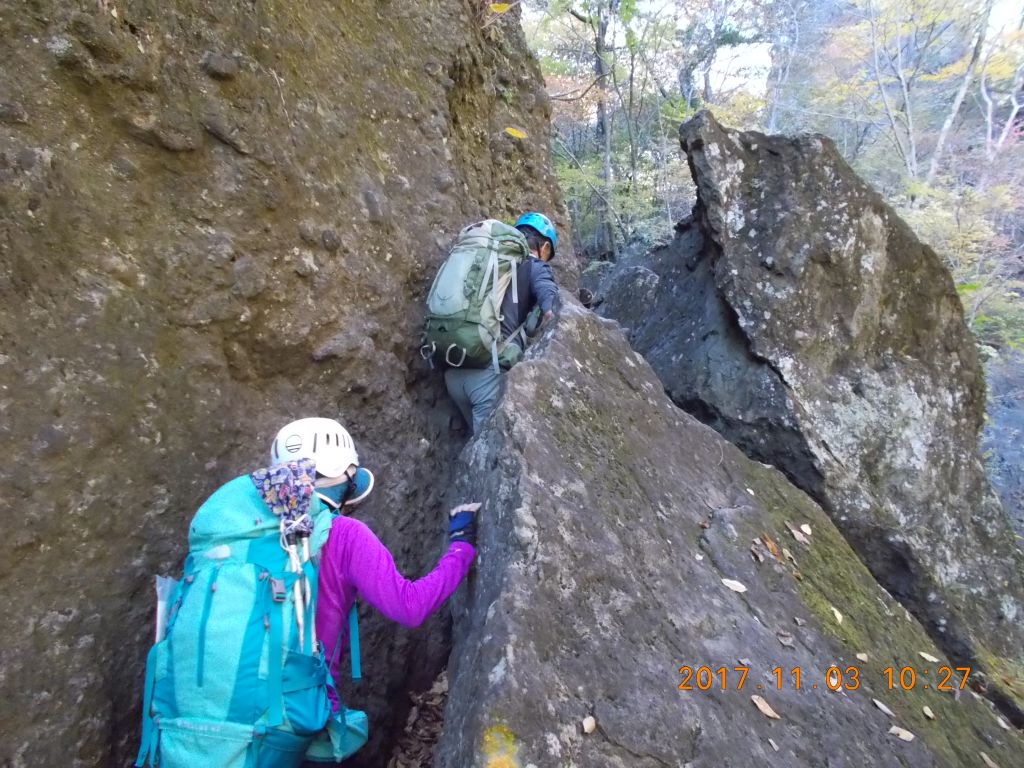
point(324, 441)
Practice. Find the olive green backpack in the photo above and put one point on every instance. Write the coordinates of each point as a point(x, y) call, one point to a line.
point(463, 325)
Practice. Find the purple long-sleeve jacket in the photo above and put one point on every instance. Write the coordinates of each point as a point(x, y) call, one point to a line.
point(354, 563)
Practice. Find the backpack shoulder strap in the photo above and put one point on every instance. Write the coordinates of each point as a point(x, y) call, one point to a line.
point(353, 640)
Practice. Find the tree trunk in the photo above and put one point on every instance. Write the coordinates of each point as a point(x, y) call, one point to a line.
point(606, 237)
point(940, 145)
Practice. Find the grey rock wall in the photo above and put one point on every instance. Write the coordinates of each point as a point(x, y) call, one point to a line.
point(613, 522)
point(1003, 437)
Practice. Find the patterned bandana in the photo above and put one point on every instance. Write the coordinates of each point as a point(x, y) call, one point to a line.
point(287, 489)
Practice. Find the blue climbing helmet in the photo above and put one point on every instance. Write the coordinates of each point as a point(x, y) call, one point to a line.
point(542, 224)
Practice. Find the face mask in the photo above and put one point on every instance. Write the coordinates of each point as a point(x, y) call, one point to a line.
point(337, 495)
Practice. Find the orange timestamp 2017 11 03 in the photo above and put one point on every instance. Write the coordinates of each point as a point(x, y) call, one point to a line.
point(834, 678)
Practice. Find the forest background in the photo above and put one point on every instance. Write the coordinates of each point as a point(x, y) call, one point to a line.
point(924, 98)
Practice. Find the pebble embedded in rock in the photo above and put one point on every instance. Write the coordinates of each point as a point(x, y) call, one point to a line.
point(124, 168)
point(330, 240)
point(309, 232)
point(589, 724)
point(375, 206)
point(11, 112)
point(306, 265)
point(219, 65)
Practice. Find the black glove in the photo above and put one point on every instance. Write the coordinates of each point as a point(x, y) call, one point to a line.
point(462, 523)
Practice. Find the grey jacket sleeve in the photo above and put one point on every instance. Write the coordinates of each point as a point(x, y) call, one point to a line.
point(542, 285)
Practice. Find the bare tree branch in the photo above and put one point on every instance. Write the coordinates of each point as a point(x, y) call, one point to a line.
point(940, 144)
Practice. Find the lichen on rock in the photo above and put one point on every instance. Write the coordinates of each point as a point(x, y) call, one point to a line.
point(798, 315)
point(624, 540)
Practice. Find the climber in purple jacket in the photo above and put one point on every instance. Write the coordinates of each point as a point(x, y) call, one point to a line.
point(353, 562)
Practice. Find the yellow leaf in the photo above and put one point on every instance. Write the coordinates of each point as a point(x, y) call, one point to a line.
point(500, 7)
point(766, 710)
point(515, 133)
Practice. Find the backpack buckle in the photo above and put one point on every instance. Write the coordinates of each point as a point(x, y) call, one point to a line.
point(278, 591)
point(448, 353)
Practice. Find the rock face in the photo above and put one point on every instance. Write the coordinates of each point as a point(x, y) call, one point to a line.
point(615, 526)
point(799, 316)
point(1003, 438)
point(216, 217)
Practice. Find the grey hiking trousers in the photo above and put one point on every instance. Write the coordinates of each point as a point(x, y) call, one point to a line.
point(475, 391)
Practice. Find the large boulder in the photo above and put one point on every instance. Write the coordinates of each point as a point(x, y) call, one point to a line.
point(623, 540)
point(217, 216)
point(798, 315)
point(1003, 437)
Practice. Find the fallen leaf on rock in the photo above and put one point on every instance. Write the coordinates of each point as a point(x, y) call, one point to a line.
point(589, 724)
point(705, 524)
point(515, 133)
point(785, 638)
point(884, 708)
point(989, 762)
point(772, 547)
point(734, 585)
point(798, 621)
point(797, 533)
point(750, 492)
point(901, 733)
point(774, 745)
point(806, 529)
point(928, 713)
point(423, 727)
point(927, 657)
point(500, 7)
point(837, 614)
point(766, 710)
point(698, 557)
point(788, 555)
point(862, 657)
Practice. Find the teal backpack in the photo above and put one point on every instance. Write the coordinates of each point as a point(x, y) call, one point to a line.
point(236, 678)
point(463, 325)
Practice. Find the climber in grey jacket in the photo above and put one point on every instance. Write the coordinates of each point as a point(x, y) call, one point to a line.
point(476, 390)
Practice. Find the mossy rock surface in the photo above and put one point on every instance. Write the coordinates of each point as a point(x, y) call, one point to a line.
point(799, 316)
point(216, 217)
point(613, 522)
